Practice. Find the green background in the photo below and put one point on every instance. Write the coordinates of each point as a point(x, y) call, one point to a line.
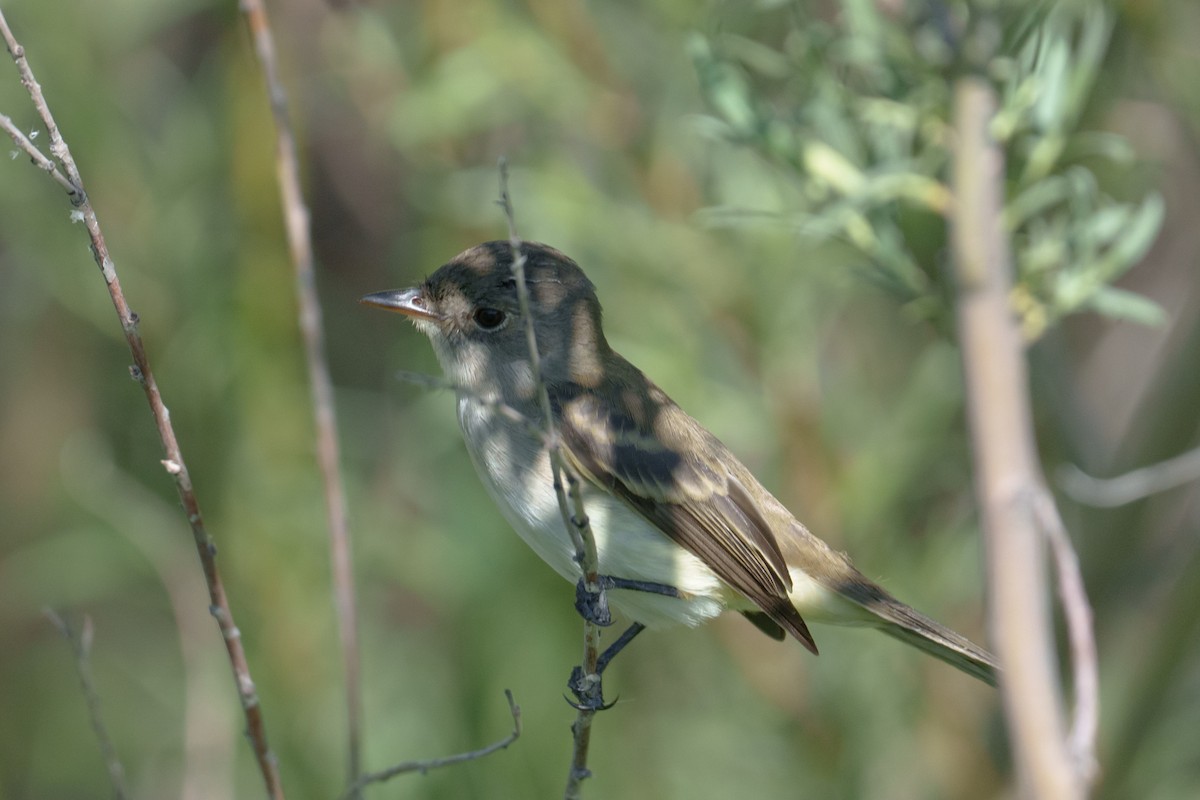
point(844, 404)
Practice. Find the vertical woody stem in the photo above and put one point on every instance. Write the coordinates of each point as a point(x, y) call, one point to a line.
point(1008, 477)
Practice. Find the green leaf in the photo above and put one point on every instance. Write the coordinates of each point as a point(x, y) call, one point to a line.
point(828, 165)
point(1049, 107)
point(1101, 144)
point(1044, 195)
point(1121, 304)
point(1139, 234)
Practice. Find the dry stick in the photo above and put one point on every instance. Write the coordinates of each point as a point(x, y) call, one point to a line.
point(1085, 724)
point(355, 790)
point(296, 220)
point(174, 463)
point(1134, 485)
point(39, 159)
point(81, 645)
point(445, 761)
point(582, 727)
point(1011, 491)
point(574, 517)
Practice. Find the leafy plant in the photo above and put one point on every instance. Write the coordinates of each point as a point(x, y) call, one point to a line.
point(854, 110)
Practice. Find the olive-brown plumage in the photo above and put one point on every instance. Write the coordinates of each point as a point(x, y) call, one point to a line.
point(668, 502)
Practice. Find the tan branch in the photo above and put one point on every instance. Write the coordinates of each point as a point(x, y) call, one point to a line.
point(444, 761)
point(299, 236)
point(173, 460)
point(1131, 486)
point(39, 158)
point(1012, 493)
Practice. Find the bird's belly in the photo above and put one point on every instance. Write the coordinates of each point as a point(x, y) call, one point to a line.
point(516, 472)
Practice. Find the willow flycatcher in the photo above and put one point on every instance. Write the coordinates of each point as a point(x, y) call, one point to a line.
point(681, 526)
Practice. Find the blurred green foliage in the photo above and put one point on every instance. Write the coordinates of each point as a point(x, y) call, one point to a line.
point(856, 108)
point(627, 125)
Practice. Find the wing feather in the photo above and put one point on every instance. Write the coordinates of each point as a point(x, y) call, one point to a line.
point(645, 450)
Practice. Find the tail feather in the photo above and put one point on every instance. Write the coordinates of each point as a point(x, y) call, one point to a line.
point(945, 644)
point(914, 628)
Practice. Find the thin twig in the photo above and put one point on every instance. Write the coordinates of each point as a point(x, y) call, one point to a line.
point(577, 524)
point(40, 160)
point(581, 729)
point(1134, 485)
point(81, 646)
point(58, 148)
point(1012, 493)
point(296, 220)
point(173, 461)
point(1081, 741)
point(445, 761)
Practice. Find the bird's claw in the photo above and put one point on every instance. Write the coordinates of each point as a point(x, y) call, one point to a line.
point(588, 691)
point(593, 605)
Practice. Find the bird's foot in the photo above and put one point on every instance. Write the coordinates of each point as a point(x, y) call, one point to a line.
point(588, 688)
point(592, 604)
point(588, 691)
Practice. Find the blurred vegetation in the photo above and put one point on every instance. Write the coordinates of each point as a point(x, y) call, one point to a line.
point(857, 109)
point(815, 345)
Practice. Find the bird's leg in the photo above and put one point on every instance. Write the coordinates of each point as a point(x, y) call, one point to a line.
point(593, 605)
point(611, 651)
point(588, 689)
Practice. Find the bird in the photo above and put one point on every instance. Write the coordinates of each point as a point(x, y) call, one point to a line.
point(682, 528)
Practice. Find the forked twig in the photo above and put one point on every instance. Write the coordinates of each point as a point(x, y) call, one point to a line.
point(37, 156)
point(445, 761)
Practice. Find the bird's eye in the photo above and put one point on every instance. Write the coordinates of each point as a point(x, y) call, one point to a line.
point(489, 318)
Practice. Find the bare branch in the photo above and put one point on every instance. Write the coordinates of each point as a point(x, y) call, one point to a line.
point(445, 761)
point(581, 729)
point(173, 461)
point(1081, 742)
point(58, 148)
point(39, 159)
point(1014, 501)
point(81, 645)
point(296, 221)
point(1134, 485)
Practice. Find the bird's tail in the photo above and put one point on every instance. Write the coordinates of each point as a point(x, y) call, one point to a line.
point(912, 627)
point(918, 630)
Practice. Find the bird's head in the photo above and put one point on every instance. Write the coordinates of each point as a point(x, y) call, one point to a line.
point(470, 311)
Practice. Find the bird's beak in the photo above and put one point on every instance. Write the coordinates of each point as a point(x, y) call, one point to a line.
point(410, 302)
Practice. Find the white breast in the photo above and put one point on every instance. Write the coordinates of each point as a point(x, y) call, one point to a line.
point(515, 469)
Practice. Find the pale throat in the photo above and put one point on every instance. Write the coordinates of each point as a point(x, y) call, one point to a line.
point(479, 372)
